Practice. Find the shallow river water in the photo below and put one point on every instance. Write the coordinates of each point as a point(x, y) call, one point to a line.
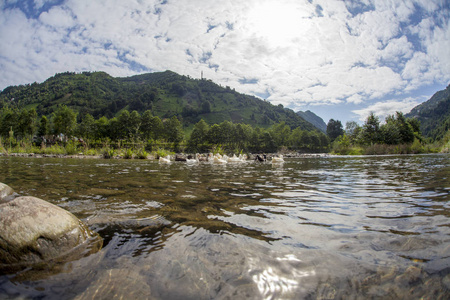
point(311, 228)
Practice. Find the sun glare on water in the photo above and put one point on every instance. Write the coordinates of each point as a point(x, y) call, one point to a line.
point(278, 22)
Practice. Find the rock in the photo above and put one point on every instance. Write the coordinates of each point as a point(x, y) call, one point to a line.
point(118, 284)
point(34, 231)
point(411, 276)
point(5, 192)
point(180, 157)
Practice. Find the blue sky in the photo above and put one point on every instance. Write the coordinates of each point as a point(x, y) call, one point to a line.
point(339, 59)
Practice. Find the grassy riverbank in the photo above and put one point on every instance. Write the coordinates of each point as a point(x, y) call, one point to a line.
point(343, 146)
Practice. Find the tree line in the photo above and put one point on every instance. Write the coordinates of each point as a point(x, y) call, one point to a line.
point(132, 128)
point(397, 134)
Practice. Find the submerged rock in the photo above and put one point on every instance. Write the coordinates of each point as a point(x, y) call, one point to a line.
point(34, 231)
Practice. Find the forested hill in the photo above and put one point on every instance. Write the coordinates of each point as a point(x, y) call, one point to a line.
point(165, 94)
point(434, 114)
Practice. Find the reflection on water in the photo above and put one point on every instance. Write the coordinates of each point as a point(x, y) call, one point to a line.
point(315, 228)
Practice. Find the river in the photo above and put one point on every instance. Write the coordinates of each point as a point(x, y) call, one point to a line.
point(311, 228)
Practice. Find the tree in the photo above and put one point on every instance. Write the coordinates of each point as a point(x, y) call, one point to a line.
point(43, 127)
point(242, 135)
point(64, 120)
point(226, 131)
point(199, 135)
point(334, 129)
point(86, 128)
point(206, 107)
point(295, 139)
point(280, 133)
point(146, 125)
point(370, 133)
point(173, 130)
point(157, 128)
point(215, 135)
point(267, 144)
point(352, 130)
point(9, 119)
point(124, 124)
point(134, 125)
point(405, 129)
point(101, 128)
point(27, 122)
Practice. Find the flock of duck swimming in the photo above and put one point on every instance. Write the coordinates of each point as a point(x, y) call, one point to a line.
point(220, 159)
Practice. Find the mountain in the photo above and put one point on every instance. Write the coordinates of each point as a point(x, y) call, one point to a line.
point(164, 93)
point(434, 115)
point(314, 119)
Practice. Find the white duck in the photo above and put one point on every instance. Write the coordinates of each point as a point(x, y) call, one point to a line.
point(165, 160)
point(278, 160)
point(192, 160)
point(219, 160)
point(234, 159)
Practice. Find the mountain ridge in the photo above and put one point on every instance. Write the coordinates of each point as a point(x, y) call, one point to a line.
point(164, 93)
point(434, 114)
point(314, 119)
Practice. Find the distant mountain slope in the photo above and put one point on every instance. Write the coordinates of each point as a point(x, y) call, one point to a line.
point(314, 119)
point(164, 93)
point(434, 114)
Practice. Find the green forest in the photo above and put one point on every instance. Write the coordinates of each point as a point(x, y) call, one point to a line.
point(20, 129)
point(94, 113)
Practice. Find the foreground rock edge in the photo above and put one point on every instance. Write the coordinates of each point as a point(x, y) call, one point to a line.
point(34, 231)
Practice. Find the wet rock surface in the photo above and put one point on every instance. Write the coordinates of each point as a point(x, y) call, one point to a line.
point(34, 231)
point(6, 193)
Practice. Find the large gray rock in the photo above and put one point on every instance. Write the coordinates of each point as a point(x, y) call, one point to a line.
point(34, 231)
point(5, 192)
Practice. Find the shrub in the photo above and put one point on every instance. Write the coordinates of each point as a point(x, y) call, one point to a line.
point(128, 154)
point(71, 148)
point(108, 153)
point(142, 154)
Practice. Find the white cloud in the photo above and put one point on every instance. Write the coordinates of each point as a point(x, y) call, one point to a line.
point(299, 52)
point(385, 108)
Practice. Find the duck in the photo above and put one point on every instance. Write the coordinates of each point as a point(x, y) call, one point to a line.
point(201, 157)
point(260, 158)
point(218, 159)
point(192, 160)
point(234, 158)
point(277, 160)
point(243, 157)
point(165, 160)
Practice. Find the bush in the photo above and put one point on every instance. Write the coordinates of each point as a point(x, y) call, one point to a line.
point(108, 153)
point(128, 154)
point(142, 154)
point(71, 148)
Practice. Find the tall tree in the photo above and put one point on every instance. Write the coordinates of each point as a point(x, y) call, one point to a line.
point(370, 133)
point(43, 127)
point(352, 130)
point(86, 128)
point(173, 130)
point(199, 135)
point(334, 129)
point(64, 120)
point(146, 125)
point(27, 122)
point(8, 120)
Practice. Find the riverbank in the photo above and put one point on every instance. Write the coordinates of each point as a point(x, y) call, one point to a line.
point(251, 156)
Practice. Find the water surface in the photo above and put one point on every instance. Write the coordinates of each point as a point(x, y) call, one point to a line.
point(311, 228)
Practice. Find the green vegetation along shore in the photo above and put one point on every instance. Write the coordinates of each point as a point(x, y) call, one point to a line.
point(157, 113)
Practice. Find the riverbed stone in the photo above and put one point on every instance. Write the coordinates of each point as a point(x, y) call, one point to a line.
point(33, 231)
point(5, 192)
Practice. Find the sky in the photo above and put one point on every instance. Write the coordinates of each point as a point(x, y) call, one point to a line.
point(341, 59)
